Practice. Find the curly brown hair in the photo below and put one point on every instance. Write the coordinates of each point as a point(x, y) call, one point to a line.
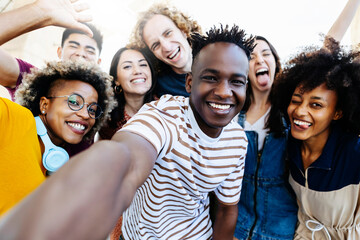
point(40, 82)
point(181, 20)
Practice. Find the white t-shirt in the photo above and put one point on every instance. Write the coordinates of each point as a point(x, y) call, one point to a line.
point(173, 202)
point(259, 128)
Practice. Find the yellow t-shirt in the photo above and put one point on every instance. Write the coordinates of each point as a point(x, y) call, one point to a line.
point(21, 168)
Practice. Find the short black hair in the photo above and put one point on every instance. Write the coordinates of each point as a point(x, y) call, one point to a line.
point(335, 66)
point(97, 36)
point(234, 35)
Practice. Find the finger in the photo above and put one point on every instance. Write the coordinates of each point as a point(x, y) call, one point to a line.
point(83, 28)
point(79, 7)
point(84, 17)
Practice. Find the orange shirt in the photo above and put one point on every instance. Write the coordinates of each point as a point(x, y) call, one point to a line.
point(21, 168)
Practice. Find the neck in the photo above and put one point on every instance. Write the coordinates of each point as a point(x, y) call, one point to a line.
point(260, 98)
point(133, 104)
point(311, 149)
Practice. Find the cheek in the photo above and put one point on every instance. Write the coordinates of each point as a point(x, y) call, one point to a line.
point(290, 109)
point(91, 123)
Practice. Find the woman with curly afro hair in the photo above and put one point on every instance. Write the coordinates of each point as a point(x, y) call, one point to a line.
point(319, 94)
point(164, 32)
point(72, 99)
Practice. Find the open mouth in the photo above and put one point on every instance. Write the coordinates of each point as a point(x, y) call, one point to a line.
point(220, 106)
point(77, 126)
point(174, 53)
point(138, 80)
point(262, 71)
point(302, 124)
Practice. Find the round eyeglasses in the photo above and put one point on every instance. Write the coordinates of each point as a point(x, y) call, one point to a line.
point(76, 102)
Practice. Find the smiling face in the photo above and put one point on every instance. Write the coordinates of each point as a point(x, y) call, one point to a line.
point(62, 123)
point(312, 112)
point(79, 46)
point(133, 73)
point(217, 85)
point(262, 67)
point(168, 43)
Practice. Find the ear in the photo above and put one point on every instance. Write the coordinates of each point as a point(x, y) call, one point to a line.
point(59, 51)
point(338, 115)
point(188, 82)
point(44, 105)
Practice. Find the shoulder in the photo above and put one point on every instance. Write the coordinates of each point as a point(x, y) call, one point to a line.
point(24, 66)
point(168, 105)
point(13, 110)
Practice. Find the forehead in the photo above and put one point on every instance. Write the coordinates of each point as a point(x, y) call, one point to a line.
point(320, 92)
point(223, 57)
point(261, 45)
point(156, 26)
point(131, 55)
point(62, 86)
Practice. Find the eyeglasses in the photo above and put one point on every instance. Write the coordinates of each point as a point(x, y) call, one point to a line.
point(76, 102)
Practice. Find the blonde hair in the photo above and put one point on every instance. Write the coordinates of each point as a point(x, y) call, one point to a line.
point(181, 20)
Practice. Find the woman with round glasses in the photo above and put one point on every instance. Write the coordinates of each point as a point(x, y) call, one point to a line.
point(72, 100)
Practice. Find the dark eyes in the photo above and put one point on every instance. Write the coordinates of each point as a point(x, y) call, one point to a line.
point(236, 82)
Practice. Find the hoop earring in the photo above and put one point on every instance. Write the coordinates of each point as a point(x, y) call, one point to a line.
point(118, 89)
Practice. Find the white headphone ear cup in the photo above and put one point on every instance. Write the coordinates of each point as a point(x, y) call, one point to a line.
point(55, 158)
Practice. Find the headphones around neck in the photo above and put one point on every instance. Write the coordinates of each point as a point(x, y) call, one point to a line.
point(54, 157)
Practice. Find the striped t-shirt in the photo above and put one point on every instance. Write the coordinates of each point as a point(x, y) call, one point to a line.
point(173, 202)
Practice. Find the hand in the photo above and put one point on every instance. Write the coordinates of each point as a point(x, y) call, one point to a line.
point(65, 13)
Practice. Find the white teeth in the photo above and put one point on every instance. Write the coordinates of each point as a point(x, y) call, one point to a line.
point(174, 53)
point(261, 70)
point(298, 122)
point(222, 107)
point(77, 126)
point(140, 80)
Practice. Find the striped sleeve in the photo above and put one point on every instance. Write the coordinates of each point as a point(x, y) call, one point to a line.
point(149, 125)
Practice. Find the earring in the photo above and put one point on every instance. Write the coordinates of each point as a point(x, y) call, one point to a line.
point(118, 89)
point(43, 112)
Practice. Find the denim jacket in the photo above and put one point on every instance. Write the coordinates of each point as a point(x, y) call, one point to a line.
point(267, 206)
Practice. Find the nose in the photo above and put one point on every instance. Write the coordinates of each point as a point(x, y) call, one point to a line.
point(136, 70)
point(81, 53)
point(259, 59)
point(83, 113)
point(223, 90)
point(300, 110)
point(165, 44)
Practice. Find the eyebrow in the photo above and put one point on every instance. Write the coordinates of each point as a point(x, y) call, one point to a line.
point(312, 97)
point(214, 71)
point(141, 60)
point(78, 44)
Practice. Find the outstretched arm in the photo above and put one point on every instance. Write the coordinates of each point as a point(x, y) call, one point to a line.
point(225, 221)
point(41, 13)
point(338, 29)
point(84, 199)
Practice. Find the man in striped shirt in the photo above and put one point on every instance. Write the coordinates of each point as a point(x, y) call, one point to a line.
point(161, 166)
